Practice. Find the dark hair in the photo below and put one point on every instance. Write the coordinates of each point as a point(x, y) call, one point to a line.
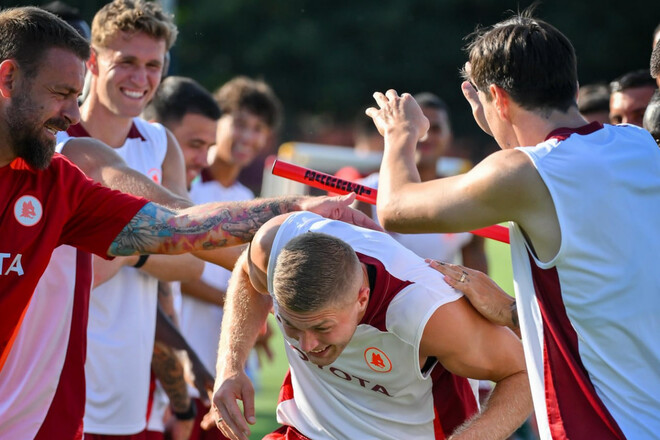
point(176, 97)
point(528, 58)
point(430, 100)
point(71, 15)
point(252, 95)
point(652, 117)
point(631, 80)
point(655, 61)
point(594, 98)
point(26, 33)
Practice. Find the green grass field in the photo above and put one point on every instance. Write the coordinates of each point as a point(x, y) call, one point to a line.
point(272, 374)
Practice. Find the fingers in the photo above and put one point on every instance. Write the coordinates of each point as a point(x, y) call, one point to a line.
point(230, 419)
point(472, 97)
point(470, 93)
point(391, 94)
point(381, 99)
point(456, 276)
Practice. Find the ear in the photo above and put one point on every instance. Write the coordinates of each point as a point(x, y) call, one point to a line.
point(363, 298)
point(501, 100)
point(93, 62)
point(9, 72)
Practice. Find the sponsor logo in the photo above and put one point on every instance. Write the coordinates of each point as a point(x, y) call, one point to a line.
point(364, 383)
point(377, 360)
point(28, 210)
point(14, 264)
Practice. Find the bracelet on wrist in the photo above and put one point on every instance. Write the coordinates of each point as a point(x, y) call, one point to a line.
point(190, 414)
point(141, 261)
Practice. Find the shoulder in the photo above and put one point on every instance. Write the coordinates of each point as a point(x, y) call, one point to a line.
point(262, 243)
point(506, 176)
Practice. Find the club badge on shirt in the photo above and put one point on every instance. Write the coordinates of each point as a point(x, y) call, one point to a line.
point(377, 360)
point(28, 210)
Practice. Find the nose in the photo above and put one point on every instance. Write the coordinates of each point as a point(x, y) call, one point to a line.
point(307, 341)
point(251, 138)
point(71, 111)
point(139, 75)
point(202, 158)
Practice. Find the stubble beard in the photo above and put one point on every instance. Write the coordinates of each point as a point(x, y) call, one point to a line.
point(25, 136)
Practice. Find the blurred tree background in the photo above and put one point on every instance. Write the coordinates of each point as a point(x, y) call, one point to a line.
point(325, 58)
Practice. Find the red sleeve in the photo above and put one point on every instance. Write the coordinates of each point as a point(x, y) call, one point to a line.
point(98, 213)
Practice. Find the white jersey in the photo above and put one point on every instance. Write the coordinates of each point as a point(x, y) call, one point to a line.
point(376, 389)
point(441, 247)
point(589, 317)
point(122, 316)
point(197, 316)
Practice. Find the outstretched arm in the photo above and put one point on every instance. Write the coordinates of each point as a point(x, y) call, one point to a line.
point(470, 346)
point(453, 204)
point(156, 229)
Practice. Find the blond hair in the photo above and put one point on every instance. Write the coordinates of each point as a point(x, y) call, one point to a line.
point(133, 16)
point(314, 271)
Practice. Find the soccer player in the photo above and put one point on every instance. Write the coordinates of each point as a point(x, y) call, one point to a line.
point(584, 200)
point(49, 203)
point(374, 340)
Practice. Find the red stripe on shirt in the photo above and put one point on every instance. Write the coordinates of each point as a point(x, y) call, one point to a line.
point(64, 420)
point(574, 409)
point(453, 401)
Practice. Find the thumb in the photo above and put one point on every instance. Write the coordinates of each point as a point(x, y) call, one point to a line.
point(347, 199)
point(470, 94)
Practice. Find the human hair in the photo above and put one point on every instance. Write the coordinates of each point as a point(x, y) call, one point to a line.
point(652, 117)
point(313, 271)
point(26, 33)
point(176, 97)
point(529, 59)
point(430, 100)
point(631, 80)
point(71, 15)
point(243, 93)
point(133, 16)
point(655, 61)
point(594, 98)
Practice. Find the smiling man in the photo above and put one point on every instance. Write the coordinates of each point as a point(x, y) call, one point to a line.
point(375, 340)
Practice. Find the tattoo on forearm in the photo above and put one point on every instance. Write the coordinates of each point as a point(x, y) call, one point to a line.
point(514, 314)
point(169, 371)
point(155, 229)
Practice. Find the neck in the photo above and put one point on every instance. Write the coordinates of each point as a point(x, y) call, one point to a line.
point(102, 124)
point(531, 128)
point(224, 172)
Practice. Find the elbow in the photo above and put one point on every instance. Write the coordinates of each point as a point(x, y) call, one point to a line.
point(388, 217)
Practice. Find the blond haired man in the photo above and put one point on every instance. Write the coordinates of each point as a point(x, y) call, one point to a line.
point(130, 40)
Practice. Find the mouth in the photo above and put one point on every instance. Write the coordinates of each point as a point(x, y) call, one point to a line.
point(133, 94)
point(53, 129)
point(319, 352)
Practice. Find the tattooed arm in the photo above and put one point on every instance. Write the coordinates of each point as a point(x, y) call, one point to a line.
point(159, 230)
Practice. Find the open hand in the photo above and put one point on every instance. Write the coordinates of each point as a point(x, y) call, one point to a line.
point(339, 208)
point(482, 292)
point(397, 115)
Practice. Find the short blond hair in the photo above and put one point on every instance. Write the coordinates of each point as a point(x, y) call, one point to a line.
point(133, 16)
point(314, 271)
